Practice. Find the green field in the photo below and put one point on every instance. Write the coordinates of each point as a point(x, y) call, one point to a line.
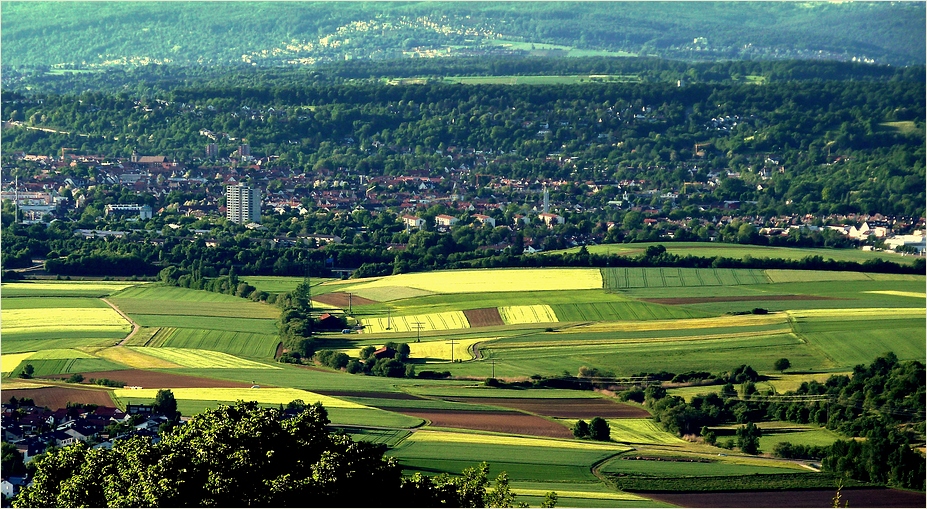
point(254, 325)
point(618, 278)
point(246, 344)
point(63, 288)
point(203, 359)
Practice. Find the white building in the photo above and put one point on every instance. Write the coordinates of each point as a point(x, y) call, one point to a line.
point(243, 204)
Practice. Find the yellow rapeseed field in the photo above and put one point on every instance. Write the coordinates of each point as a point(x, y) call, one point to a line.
point(272, 396)
point(206, 359)
point(9, 361)
point(441, 350)
point(490, 280)
point(448, 320)
point(63, 319)
point(538, 313)
point(472, 438)
point(916, 295)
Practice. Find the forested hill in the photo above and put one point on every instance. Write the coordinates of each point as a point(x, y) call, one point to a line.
point(107, 34)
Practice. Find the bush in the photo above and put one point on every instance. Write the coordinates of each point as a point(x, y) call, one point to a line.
point(76, 378)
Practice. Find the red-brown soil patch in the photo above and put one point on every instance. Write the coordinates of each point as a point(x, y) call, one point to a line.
point(500, 422)
point(59, 397)
point(743, 298)
point(575, 408)
point(155, 379)
point(856, 497)
point(483, 317)
point(341, 299)
point(370, 394)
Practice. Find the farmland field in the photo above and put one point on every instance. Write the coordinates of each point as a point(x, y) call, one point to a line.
point(204, 359)
point(254, 325)
point(211, 348)
point(618, 278)
point(497, 280)
point(247, 344)
point(272, 396)
point(515, 315)
point(407, 323)
point(63, 288)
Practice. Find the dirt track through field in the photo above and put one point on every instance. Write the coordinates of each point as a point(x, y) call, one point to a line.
point(135, 327)
point(483, 317)
point(743, 298)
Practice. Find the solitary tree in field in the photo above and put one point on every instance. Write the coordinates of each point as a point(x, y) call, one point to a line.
point(782, 365)
point(599, 429)
point(581, 429)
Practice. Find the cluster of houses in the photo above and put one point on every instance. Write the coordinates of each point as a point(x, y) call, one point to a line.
point(32, 429)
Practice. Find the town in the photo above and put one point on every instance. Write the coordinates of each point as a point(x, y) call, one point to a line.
point(108, 196)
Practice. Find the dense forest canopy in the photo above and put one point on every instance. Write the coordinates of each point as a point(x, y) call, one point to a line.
point(99, 34)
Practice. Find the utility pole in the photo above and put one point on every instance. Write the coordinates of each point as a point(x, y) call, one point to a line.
point(418, 328)
point(388, 317)
point(350, 303)
point(493, 361)
point(452, 349)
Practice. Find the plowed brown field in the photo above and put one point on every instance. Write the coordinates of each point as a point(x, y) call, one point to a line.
point(155, 379)
point(855, 497)
point(341, 299)
point(483, 317)
point(59, 397)
point(577, 408)
point(501, 422)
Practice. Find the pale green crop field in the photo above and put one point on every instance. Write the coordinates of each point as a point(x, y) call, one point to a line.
point(204, 359)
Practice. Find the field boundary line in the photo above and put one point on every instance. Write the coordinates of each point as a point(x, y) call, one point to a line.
point(135, 327)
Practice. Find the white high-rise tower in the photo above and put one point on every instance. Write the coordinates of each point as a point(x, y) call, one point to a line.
point(243, 204)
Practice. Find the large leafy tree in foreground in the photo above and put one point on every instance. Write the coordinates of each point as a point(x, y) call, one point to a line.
point(246, 455)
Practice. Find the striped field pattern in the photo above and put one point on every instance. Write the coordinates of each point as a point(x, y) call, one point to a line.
point(538, 313)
